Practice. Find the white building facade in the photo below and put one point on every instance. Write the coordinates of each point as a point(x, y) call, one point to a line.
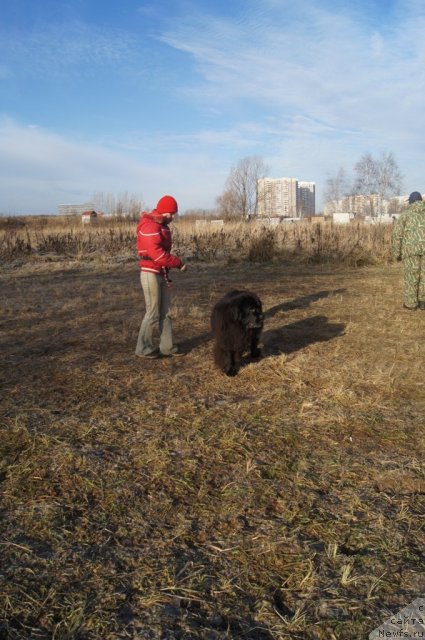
point(366, 206)
point(74, 209)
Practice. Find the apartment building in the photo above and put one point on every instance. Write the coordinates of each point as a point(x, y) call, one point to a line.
point(306, 199)
point(361, 206)
point(285, 197)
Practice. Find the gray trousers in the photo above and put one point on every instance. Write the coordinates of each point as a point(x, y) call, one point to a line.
point(157, 301)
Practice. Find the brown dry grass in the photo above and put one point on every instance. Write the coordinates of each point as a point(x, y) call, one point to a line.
point(111, 240)
point(160, 499)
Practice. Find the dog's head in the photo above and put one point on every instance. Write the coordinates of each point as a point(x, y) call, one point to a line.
point(252, 318)
point(248, 311)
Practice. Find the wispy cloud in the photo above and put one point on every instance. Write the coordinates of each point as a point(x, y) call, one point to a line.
point(321, 64)
point(57, 48)
point(343, 82)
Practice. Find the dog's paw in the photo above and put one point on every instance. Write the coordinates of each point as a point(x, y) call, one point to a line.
point(231, 372)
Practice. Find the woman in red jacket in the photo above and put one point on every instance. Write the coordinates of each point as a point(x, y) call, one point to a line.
point(154, 248)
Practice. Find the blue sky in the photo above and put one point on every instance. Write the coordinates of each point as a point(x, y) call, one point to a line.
point(146, 98)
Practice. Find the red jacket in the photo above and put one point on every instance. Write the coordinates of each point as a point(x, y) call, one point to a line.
point(154, 244)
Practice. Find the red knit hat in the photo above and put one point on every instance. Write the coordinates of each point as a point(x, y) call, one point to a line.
point(167, 204)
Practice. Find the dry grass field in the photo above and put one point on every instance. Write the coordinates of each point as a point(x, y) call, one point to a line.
point(160, 499)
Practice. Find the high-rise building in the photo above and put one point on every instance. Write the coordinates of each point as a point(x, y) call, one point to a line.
point(306, 199)
point(285, 197)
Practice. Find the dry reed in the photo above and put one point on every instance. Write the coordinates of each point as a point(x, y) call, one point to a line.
point(40, 239)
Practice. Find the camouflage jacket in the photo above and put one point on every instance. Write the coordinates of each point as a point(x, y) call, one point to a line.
point(408, 238)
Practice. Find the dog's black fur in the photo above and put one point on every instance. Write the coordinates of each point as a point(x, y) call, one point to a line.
point(236, 322)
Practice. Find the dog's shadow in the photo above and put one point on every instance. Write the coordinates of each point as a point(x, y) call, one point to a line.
point(300, 303)
point(298, 335)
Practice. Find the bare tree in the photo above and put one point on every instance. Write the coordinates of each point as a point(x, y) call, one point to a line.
point(336, 188)
point(366, 175)
point(123, 205)
point(241, 186)
point(389, 177)
point(227, 205)
point(395, 206)
point(377, 177)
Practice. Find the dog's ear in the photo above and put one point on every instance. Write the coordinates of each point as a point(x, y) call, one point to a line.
point(257, 301)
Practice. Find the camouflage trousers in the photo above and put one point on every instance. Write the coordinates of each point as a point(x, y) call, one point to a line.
point(414, 280)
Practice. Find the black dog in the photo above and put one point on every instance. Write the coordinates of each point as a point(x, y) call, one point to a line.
point(236, 321)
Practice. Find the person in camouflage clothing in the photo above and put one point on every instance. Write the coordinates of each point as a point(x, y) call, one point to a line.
point(408, 244)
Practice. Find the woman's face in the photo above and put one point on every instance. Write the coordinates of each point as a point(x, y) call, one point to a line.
point(168, 217)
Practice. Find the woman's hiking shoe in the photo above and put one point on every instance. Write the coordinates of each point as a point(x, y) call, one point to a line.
point(174, 353)
point(150, 356)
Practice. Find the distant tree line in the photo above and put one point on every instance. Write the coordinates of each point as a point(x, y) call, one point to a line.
point(377, 178)
point(371, 177)
point(124, 205)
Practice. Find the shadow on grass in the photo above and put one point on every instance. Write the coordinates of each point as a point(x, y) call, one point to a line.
point(189, 344)
point(193, 620)
point(300, 303)
point(187, 618)
point(298, 335)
